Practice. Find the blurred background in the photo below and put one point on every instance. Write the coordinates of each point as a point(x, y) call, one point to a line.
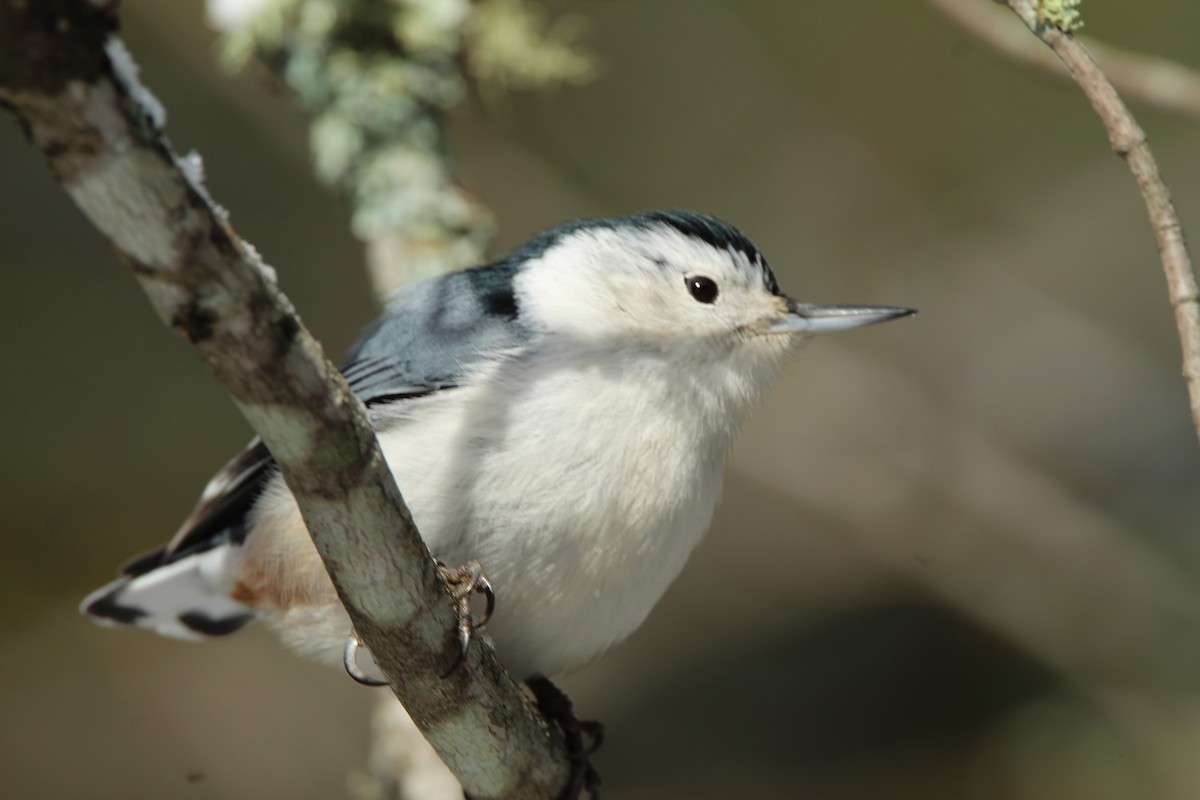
point(957, 557)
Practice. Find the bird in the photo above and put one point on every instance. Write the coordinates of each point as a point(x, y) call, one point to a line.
point(560, 417)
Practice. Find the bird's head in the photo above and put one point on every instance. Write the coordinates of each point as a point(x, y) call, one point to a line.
point(671, 280)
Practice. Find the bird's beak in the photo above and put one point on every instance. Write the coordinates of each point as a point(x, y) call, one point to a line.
point(806, 318)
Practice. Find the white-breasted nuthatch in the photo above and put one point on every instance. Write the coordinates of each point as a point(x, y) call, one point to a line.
point(561, 416)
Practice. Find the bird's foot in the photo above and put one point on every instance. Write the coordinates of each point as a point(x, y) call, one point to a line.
point(464, 581)
point(583, 737)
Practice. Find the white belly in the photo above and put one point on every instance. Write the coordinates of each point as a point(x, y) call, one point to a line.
point(580, 519)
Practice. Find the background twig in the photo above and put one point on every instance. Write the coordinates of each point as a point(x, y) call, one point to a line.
point(1128, 141)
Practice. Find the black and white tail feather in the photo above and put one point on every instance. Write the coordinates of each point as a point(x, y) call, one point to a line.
point(182, 590)
point(440, 328)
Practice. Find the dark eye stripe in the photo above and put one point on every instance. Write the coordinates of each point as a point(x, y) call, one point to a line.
point(703, 289)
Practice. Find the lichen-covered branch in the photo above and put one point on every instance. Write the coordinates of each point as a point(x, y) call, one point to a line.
point(74, 91)
point(1128, 140)
point(1161, 83)
point(379, 80)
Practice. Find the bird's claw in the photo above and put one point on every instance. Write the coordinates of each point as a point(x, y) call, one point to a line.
point(557, 708)
point(464, 581)
point(350, 662)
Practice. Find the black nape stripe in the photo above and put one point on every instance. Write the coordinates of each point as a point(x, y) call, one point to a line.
point(707, 229)
point(494, 283)
point(204, 624)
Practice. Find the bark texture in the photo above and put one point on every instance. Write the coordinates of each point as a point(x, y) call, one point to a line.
point(75, 92)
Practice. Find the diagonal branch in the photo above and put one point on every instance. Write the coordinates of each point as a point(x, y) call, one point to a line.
point(1128, 140)
point(74, 90)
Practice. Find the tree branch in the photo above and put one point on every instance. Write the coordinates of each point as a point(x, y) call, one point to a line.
point(380, 84)
point(1128, 140)
point(75, 92)
point(1160, 82)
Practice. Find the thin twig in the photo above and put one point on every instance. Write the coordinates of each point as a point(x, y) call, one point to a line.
point(1159, 82)
point(1128, 140)
point(75, 92)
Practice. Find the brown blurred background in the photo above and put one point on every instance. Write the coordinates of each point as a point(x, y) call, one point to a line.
point(957, 556)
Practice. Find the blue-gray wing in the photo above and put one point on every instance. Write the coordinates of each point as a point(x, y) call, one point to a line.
point(432, 333)
point(428, 337)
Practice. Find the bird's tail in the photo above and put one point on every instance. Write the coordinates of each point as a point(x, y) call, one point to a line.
point(185, 597)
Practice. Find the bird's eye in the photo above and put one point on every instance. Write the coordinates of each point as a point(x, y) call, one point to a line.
point(703, 290)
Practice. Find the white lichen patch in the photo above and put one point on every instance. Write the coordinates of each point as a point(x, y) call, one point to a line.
point(379, 106)
point(226, 14)
point(1062, 14)
point(256, 261)
point(430, 27)
point(125, 70)
point(336, 144)
point(191, 165)
point(512, 44)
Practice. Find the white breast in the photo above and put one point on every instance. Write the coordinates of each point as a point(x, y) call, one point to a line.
point(580, 489)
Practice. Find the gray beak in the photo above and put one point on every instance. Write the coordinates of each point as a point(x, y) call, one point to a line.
point(806, 318)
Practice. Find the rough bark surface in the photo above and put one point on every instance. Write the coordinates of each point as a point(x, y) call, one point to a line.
point(75, 92)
